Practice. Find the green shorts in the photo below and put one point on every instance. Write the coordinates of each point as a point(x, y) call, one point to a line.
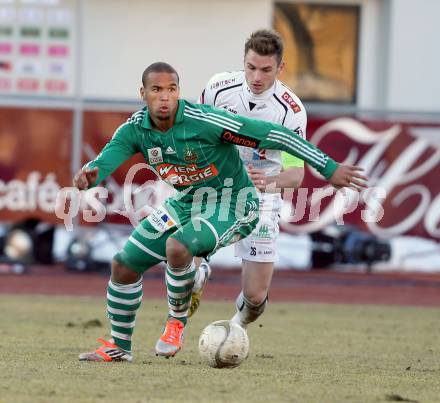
point(202, 228)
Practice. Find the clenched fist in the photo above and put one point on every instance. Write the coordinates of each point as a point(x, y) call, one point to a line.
point(85, 178)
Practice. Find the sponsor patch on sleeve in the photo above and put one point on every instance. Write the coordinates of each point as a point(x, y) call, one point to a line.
point(295, 107)
point(229, 136)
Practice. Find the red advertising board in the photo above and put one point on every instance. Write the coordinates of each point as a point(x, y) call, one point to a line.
point(35, 158)
point(402, 163)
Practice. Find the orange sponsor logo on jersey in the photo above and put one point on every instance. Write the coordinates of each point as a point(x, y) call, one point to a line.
point(239, 139)
point(296, 108)
point(185, 175)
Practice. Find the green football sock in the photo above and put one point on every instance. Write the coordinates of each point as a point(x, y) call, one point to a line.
point(179, 283)
point(123, 300)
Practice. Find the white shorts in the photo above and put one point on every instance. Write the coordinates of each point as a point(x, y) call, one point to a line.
point(260, 245)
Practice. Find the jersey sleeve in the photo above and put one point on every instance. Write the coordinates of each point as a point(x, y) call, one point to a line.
point(243, 131)
point(119, 149)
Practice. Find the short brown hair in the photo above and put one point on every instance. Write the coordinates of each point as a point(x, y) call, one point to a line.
point(158, 67)
point(265, 42)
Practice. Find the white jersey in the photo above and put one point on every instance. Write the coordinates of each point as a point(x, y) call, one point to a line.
point(278, 104)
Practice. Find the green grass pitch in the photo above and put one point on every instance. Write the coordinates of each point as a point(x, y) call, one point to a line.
point(299, 353)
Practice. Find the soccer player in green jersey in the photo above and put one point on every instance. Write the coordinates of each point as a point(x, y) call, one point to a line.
point(192, 147)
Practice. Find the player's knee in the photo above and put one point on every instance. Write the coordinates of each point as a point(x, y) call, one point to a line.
point(122, 274)
point(177, 253)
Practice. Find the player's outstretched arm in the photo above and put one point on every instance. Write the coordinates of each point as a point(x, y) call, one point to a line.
point(253, 133)
point(85, 178)
point(344, 176)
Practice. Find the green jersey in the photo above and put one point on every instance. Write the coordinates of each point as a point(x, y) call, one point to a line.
point(199, 150)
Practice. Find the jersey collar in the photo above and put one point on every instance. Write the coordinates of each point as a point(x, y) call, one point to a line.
point(260, 97)
point(146, 123)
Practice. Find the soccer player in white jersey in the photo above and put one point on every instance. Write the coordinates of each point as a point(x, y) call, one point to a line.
point(257, 93)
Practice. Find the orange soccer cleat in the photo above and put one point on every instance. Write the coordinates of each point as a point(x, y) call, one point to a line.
point(108, 352)
point(171, 340)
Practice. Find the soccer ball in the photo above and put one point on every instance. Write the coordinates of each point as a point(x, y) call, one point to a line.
point(223, 344)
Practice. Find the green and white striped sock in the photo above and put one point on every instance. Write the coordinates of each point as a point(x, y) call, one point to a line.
point(179, 283)
point(123, 300)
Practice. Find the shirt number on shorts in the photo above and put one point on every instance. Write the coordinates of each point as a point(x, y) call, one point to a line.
point(253, 251)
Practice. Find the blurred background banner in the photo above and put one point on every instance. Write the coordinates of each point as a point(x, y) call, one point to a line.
point(401, 159)
point(35, 160)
